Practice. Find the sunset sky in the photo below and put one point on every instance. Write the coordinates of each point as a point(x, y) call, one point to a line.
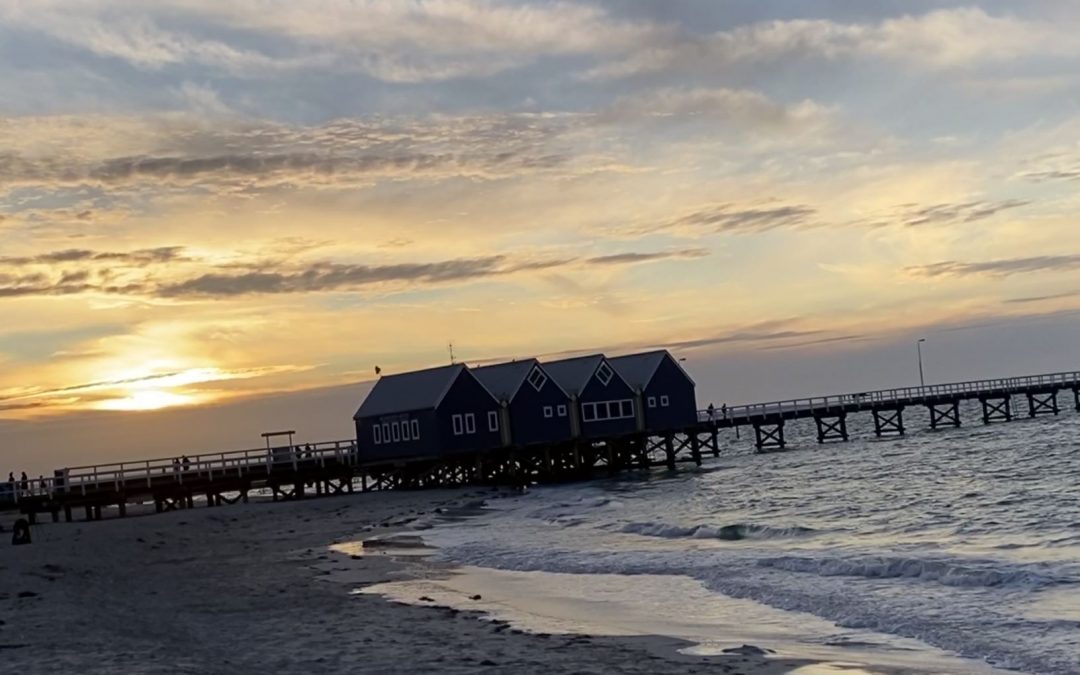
point(224, 215)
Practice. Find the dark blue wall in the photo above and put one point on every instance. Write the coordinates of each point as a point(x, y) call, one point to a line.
point(527, 422)
point(466, 396)
point(427, 446)
point(596, 391)
point(681, 411)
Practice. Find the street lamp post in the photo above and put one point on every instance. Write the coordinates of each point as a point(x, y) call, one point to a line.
point(918, 348)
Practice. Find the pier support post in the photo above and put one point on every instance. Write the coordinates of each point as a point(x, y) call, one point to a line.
point(715, 438)
point(831, 429)
point(1076, 397)
point(888, 422)
point(695, 448)
point(996, 409)
point(669, 452)
point(768, 436)
point(67, 513)
point(944, 414)
point(1042, 404)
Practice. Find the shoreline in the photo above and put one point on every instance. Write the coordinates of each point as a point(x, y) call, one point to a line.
point(244, 588)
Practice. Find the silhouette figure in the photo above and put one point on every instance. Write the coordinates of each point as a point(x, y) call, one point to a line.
point(712, 411)
point(20, 533)
point(185, 462)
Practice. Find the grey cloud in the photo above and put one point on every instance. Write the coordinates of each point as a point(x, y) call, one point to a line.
point(739, 218)
point(263, 278)
point(914, 215)
point(998, 268)
point(140, 257)
point(631, 258)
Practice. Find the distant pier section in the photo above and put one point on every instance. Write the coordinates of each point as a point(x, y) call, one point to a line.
point(516, 424)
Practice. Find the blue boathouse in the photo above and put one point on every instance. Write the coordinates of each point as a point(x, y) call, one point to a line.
point(427, 413)
point(535, 409)
point(602, 402)
point(664, 391)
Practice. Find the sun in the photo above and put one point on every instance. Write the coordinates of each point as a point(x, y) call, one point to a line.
point(147, 399)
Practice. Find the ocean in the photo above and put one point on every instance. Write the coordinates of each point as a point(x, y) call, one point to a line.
point(948, 551)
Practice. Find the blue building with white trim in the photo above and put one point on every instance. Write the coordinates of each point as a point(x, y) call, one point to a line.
point(664, 392)
point(535, 409)
point(427, 413)
point(602, 402)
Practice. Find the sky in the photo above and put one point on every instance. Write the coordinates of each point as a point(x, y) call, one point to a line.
point(217, 219)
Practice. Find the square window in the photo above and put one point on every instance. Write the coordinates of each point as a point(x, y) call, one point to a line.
point(415, 429)
point(470, 423)
point(562, 411)
point(459, 427)
point(385, 432)
point(493, 420)
point(664, 401)
point(627, 409)
point(396, 431)
point(549, 411)
point(604, 374)
point(652, 401)
point(537, 379)
point(376, 434)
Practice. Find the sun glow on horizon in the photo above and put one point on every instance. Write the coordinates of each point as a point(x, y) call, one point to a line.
point(146, 399)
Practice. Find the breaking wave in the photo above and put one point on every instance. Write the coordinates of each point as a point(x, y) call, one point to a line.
point(734, 532)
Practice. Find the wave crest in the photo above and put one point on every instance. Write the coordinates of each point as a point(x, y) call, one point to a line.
point(735, 532)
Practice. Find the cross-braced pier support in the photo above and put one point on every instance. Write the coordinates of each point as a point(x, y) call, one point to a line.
point(944, 414)
point(888, 422)
point(831, 428)
point(1042, 404)
point(1076, 397)
point(996, 409)
point(769, 436)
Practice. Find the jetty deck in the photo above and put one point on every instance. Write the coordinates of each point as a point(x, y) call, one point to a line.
point(336, 467)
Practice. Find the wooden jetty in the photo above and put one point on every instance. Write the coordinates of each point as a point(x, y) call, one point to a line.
point(328, 468)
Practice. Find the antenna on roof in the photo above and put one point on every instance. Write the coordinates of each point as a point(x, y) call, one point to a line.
point(451, 348)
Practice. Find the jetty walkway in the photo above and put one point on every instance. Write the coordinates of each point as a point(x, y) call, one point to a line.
point(336, 467)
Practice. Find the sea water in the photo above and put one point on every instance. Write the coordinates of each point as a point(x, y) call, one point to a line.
point(964, 541)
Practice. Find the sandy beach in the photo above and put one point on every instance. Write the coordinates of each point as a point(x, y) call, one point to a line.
point(256, 588)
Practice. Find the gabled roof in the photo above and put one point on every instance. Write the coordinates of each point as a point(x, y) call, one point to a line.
point(404, 392)
point(573, 374)
point(638, 369)
point(503, 380)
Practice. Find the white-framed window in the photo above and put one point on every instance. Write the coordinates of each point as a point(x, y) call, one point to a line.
point(493, 420)
point(537, 379)
point(376, 434)
point(385, 432)
point(604, 373)
point(415, 424)
point(652, 401)
point(459, 425)
point(607, 410)
point(405, 435)
point(549, 412)
point(395, 430)
point(562, 410)
point(470, 423)
point(664, 401)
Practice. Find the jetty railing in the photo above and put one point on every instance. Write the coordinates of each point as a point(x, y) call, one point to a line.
point(905, 395)
point(81, 479)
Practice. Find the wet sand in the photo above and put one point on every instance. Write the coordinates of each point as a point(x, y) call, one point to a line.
point(256, 588)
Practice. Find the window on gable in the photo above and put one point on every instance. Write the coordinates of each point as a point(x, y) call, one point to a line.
point(459, 426)
point(415, 429)
point(562, 411)
point(470, 423)
point(376, 434)
point(664, 401)
point(493, 420)
point(549, 411)
point(604, 374)
point(537, 379)
point(395, 429)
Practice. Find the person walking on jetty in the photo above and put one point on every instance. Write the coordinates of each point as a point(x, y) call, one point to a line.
point(712, 412)
point(186, 463)
point(24, 484)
